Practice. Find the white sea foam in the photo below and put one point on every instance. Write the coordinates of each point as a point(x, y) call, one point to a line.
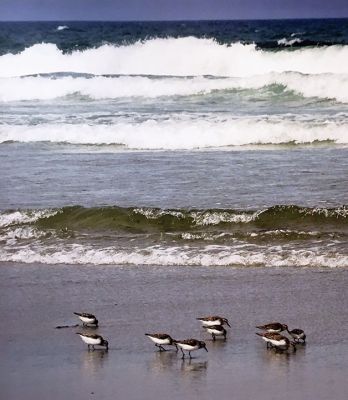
point(62, 27)
point(215, 218)
point(23, 217)
point(207, 256)
point(152, 213)
point(337, 212)
point(187, 56)
point(331, 86)
point(12, 236)
point(182, 133)
point(201, 218)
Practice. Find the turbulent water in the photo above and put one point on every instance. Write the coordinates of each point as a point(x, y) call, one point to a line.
point(238, 129)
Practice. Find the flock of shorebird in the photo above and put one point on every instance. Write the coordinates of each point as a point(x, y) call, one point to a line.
point(214, 325)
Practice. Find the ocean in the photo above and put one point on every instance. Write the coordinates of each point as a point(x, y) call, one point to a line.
point(205, 143)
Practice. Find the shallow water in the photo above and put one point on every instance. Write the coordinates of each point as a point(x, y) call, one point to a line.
point(46, 176)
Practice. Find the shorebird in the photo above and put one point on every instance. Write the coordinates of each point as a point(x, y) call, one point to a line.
point(87, 319)
point(298, 335)
point(161, 339)
point(213, 320)
point(275, 327)
point(216, 330)
point(276, 340)
point(190, 345)
point(93, 340)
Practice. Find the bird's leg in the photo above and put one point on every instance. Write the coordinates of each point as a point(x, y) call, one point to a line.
point(213, 337)
point(183, 354)
point(190, 355)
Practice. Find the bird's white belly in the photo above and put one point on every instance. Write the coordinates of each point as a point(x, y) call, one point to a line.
point(215, 332)
point(159, 341)
point(278, 343)
point(187, 347)
point(89, 340)
point(87, 320)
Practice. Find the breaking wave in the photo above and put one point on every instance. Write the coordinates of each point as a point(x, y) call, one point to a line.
point(160, 57)
point(160, 220)
point(277, 236)
point(182, 134)
point(49, 87)
point(217, 256)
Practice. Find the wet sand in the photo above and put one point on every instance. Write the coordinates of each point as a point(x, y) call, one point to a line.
point(41, 362)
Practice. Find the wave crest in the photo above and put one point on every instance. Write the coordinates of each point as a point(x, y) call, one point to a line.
point(147, 219)
point(324, 86)
point(182, 134)
point(160, 57)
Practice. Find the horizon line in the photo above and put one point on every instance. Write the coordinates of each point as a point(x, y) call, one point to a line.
point(176, 20)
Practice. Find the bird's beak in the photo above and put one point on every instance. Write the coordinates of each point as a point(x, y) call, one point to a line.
point(206, 349)
point(227, 323)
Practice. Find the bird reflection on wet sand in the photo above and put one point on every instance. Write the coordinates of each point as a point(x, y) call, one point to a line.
point(190, 365)
point(93, 360)
point(280, 363)
point(194, 372)
point(170, 363)
point(163, 361)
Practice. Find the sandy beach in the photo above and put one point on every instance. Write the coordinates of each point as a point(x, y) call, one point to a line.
point(39, 361)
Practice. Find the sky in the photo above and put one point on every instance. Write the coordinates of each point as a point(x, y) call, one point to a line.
point(127, 10)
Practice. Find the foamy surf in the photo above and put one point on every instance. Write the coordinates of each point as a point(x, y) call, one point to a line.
point(10, 218)
point(322, 86)
point(222, 256)
point(279, 236)
point(182, 134)
point(160, 56)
